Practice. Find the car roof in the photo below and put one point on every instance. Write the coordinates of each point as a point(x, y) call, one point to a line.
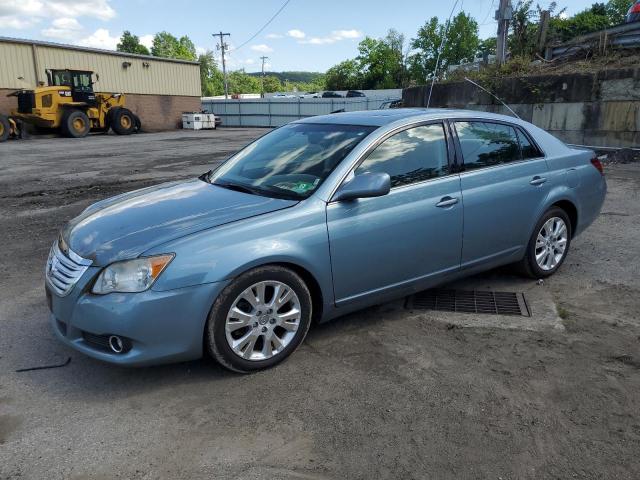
point(379, 118)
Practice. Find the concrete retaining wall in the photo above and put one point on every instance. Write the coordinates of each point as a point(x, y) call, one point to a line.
point(600, 109)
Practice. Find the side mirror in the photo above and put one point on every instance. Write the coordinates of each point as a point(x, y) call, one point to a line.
point(364, 186)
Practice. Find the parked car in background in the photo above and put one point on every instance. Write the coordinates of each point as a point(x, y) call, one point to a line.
point(316, 219)
point(633, 15)
point(355, 93)
point(330, 94)
point(310, 95)
point(391, 104)
point(283, 95)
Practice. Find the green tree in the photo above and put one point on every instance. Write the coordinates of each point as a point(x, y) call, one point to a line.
point(272, 84)
point(381, 62)
point(460, 46)
point(240, 82)
point(211, 78)
point(590, 20)
point(131, 44)
point(343, 76)
point(616, 10)
point(167, 46)
point(488, 45)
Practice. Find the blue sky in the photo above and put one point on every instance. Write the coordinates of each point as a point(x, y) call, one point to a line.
point(307, 35)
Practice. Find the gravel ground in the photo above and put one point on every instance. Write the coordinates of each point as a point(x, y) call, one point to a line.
point(384, 393)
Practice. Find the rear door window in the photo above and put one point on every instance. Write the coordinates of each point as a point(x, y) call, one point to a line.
point(485, 144)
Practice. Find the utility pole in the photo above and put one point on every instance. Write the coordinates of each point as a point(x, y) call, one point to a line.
point(263, 60)
point(223, 47)
point(503, 16)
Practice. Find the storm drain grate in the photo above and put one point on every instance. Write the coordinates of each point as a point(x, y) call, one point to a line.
point(470, 301)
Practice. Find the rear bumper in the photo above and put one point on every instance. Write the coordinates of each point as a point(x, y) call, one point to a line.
point(160, 327)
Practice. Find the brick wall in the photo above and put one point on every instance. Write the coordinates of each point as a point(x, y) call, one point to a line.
point(7, 103)
point(161, 112)
point(157, 112)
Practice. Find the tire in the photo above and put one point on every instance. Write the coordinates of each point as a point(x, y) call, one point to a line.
point(123, 121)
point(75, 124)
point(5, 128)
point(259, 321)
point(552, 259)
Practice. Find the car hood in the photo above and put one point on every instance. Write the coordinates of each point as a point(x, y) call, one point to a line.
point(127, 225)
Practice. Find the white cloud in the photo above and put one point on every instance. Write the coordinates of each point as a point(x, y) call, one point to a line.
point(99, 9)
point(262, 48)
point(63, 28)
point(334, 36)
point(273, 35)
point(199, 50)
point(20, 14)
point(295, 33)
point(147, 40)
point(101, 39)
point(14, 22)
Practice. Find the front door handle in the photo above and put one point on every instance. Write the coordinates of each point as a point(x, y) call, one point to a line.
point(446, 202)
point(537, 180)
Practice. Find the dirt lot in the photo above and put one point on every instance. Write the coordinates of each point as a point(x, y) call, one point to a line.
point(385, 393)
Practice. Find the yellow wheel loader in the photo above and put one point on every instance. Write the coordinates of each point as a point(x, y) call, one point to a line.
point(70, 105)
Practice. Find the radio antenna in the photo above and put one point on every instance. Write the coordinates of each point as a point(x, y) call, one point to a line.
point(494, 96)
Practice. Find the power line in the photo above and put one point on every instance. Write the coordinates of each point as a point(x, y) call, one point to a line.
point(484, 22)
point(263, 27)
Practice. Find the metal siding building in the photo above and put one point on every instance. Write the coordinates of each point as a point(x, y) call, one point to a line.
point(158, 89)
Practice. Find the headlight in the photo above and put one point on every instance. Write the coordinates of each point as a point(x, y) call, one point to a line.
point(131, 275)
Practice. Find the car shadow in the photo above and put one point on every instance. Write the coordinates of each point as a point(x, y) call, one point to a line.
point(92, 378)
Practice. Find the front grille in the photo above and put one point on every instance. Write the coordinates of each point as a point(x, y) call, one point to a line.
point(26, 101)
point(64, 270)
point(475, 301)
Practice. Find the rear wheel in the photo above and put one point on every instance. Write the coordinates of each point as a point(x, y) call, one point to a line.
point(5, 128)
point(75, 124)
point(259, 319)
point(548, 245)
point(123, 121)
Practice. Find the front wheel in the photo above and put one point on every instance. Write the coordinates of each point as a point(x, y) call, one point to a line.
point(549, 244)
point(75, 124)
point(259, 319)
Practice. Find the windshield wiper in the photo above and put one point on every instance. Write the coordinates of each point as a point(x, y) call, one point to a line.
point(237, 187)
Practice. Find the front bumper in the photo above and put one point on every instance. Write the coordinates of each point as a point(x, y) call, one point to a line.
point(160, 326)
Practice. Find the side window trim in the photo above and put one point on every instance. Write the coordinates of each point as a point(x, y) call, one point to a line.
point(517, 128)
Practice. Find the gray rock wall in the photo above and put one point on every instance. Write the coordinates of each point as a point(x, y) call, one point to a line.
point(601, 109)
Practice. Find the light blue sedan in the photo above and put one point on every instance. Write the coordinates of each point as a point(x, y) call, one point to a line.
point(312, 221)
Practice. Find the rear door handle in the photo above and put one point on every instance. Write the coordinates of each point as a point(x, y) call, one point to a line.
point(537, 180)
point(446, 202)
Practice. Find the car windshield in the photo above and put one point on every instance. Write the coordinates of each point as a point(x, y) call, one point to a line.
point(290, 162)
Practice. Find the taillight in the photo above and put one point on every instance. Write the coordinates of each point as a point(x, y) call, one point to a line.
point(634, 9)
point(598, 164)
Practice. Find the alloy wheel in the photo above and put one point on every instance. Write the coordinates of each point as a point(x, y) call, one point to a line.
point(263, 320)
point(551, 243)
